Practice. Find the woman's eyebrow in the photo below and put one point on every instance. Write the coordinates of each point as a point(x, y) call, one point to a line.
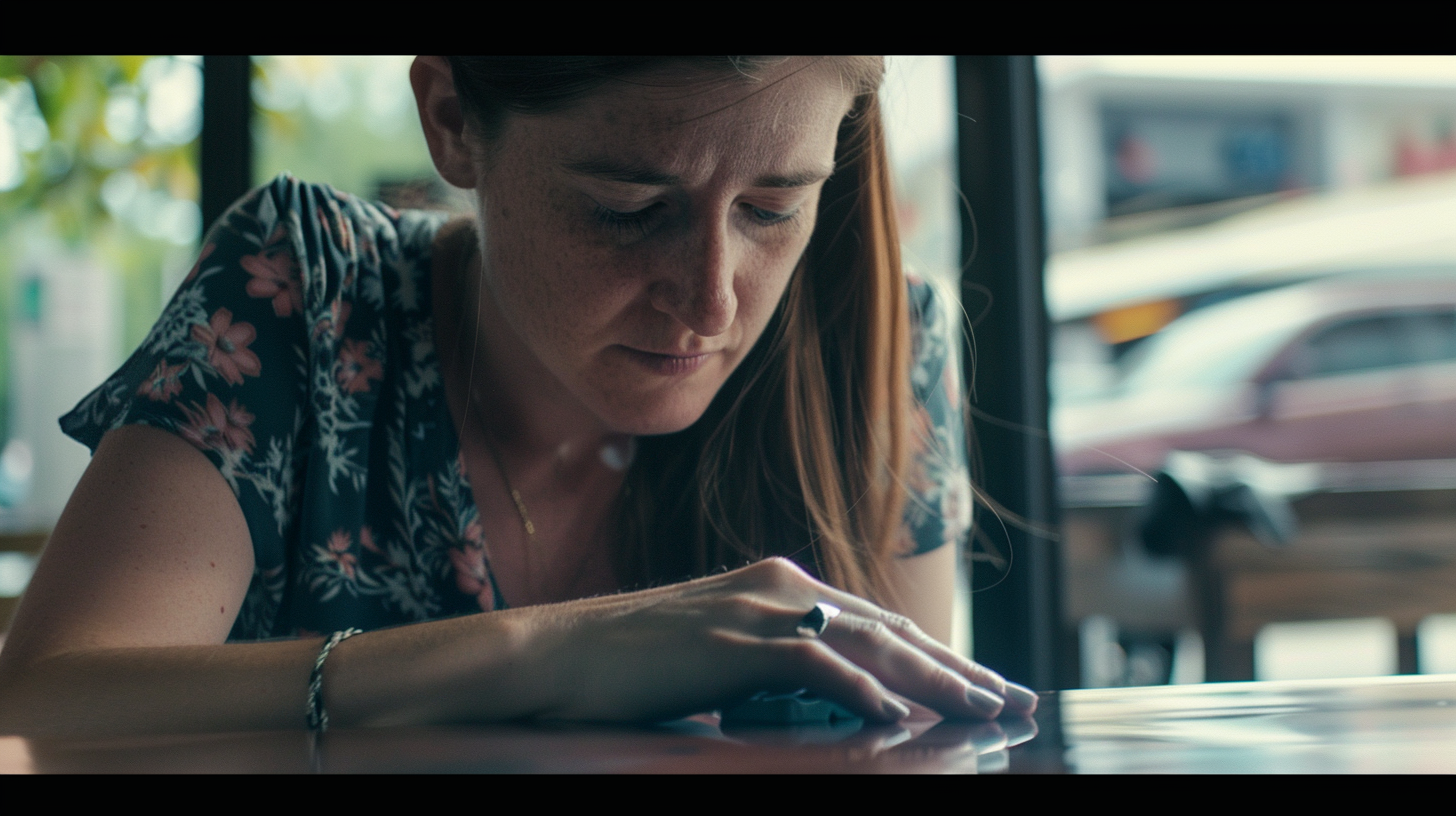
point(614, 170)
point(627, 173)
point(800, 179)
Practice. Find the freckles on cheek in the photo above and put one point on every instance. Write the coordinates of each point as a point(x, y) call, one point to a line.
point(767, 287)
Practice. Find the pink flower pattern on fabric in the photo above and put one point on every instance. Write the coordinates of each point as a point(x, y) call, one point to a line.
point(275, 276)
point(366, 538)
point(227, 346)
point(356, 367)
point(471, 576)
point(215, 427)
point(333, 323)
point(339, 545)
point(163, 384)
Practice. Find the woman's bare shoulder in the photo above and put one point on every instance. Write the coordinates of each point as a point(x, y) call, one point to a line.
point(151, 550)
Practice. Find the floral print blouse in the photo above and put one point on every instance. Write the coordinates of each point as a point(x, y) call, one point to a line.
point(299, 356)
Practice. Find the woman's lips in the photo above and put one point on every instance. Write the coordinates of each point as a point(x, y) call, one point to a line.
point(668, 365)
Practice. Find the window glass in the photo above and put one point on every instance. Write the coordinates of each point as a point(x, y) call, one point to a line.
point(919, 108)
point(1433, 337)
point(1360, 345)
point(1203, 215)
point(363, 110)
point(98, 214)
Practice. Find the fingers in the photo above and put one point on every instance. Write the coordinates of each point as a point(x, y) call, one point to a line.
point(1017, 698)
point(889, 646)
point(872, 645)
point(829, 674)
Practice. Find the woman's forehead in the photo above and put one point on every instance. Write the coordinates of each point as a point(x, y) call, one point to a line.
point(659, 135)
point(783, 96)
point(677, 94)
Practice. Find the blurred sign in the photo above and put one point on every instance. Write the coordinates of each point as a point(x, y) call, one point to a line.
point(1132, 322)
point(1165, 157)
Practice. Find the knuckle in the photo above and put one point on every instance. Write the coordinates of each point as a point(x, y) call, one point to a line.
point(779, 572)
point(785, 568)
point(870, 630)
point(878, 631)
point(873, 629)
point(900, 623)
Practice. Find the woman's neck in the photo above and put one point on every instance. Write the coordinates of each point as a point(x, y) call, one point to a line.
point(494, 380)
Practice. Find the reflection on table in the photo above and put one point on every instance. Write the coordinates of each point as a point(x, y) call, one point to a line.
point(1399, 724)
point(923, 744)
point(1404, 724)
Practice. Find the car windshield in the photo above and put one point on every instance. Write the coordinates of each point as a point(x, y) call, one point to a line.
point(1218, 345)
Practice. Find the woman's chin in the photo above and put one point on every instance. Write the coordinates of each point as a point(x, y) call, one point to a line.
point(655, 417)
point(656, 426)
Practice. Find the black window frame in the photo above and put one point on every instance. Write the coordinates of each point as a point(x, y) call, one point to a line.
point(1016, 613)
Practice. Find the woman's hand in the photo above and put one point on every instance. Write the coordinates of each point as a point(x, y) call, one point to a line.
point(715, 641)
point(122, 631)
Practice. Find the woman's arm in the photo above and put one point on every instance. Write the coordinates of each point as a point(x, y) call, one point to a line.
point(122, 627)
point(923, 588)
point(123, 630)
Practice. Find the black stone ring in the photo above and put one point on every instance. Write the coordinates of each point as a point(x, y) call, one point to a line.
point(814, 623)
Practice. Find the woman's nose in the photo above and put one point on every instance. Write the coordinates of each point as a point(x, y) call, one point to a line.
point(697, 288)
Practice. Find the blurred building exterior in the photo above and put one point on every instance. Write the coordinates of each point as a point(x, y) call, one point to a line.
point(1172, 184)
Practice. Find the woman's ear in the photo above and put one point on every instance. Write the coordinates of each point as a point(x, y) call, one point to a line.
point(443, 120)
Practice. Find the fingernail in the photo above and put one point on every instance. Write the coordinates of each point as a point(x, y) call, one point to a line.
point(985, 702)
point(894, 709)
point(1021, 697)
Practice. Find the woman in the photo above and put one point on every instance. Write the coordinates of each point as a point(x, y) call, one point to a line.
point(674, 341)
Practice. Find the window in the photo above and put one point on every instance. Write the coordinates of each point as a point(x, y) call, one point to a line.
point(1251, 269)
point(98, 222)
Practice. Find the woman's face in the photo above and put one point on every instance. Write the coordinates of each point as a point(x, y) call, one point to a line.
point(636, 244)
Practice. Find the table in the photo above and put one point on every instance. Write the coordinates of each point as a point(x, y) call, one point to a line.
point(1401, 724)
point(1373, 725)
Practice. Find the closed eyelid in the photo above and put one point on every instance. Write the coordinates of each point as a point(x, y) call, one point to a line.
point(779, 201)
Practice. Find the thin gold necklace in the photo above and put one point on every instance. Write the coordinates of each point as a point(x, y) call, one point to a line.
point(505, 477)
point(472, 404)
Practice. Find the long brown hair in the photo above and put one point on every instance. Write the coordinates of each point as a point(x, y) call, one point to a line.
point(803, 452)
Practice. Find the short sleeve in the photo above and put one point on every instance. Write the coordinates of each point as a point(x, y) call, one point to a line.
point(225, 368)
point(938, 510)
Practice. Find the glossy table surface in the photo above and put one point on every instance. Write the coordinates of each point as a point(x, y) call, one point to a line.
point(1388, 724)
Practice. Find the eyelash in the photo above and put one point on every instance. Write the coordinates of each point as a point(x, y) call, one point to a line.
point(637, 224)
point(769, 218)
point(627, 225)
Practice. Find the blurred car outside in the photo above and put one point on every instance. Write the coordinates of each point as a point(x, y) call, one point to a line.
point(1339, 394)
point(1352, 368)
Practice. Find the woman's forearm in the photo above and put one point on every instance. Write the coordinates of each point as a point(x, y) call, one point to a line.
point(644, 656)
point(93, 692)
point(463, 669)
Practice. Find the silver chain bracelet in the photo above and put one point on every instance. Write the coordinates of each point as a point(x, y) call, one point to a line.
point(318, 718)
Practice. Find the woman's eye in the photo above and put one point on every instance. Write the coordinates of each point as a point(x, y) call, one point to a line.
point(769, 216)
point(628, 225)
